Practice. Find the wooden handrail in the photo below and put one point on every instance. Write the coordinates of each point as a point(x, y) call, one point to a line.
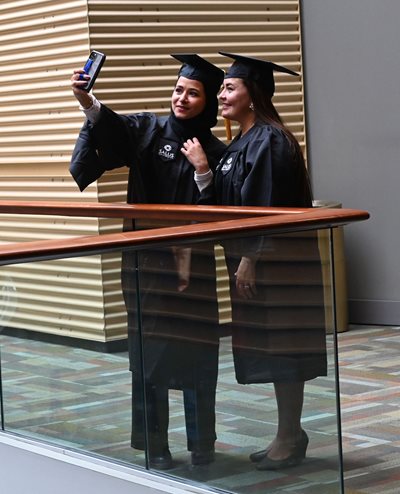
point(307, 219)
point(136, 211)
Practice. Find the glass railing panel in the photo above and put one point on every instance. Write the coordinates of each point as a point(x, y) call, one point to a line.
point(195, 364)
point(179, 325)
point(56, 387)
point(279, 337)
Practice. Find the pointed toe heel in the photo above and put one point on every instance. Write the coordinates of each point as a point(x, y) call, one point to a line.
point(259, 455)
point(298, 455)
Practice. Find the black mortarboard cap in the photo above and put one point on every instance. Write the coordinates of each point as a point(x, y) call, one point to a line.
point(255, 69)
point(196, 68)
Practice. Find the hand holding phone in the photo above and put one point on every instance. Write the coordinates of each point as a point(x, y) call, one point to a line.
point(92, 68)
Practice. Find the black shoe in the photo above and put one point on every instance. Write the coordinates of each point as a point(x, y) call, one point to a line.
point(259, 455)
point(298, 455)
point(203, 457)
point(162, 461)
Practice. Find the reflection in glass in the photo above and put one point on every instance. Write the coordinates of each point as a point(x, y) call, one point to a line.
point(194, 398)
point(174, 347)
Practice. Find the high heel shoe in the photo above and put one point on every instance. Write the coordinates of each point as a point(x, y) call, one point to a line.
point(259, 455)
point(298, 455)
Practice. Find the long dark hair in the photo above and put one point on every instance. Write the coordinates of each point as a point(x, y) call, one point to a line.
point(265, 112)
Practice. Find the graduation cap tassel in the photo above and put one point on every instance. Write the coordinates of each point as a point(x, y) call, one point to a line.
point(228, 130)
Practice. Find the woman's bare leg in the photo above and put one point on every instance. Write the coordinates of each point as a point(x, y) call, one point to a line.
point(289, 398)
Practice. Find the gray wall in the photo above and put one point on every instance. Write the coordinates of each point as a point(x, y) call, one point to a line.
point(28, 466)
point(352, 76)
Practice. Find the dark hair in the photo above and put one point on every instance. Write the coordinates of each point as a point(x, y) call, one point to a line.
point(266, 113)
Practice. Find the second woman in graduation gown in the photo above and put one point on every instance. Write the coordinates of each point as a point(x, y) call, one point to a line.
point(178, 310)
point(278, 328)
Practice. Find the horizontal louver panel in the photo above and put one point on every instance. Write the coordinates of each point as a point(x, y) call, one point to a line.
point(40, 43)
point(76, 297)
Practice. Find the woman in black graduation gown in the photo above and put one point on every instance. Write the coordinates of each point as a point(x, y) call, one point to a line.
point(180, 351)
point(278, 329)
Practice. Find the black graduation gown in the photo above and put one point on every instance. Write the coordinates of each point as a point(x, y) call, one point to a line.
point(158, 173)
point(149, 147)
point(279, 334)
point(179, 330)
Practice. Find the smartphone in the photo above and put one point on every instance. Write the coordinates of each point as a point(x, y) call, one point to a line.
point(92, 67)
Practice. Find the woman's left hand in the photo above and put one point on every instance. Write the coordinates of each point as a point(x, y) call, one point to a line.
point(182, 256)
point(245, 278)
point(195, 154)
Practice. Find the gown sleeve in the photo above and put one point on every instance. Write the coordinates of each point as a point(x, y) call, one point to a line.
point(208, 195)
point(277, 176)
point(85, 166)
point(214, 153)
point(112, 142)
point(273, 177)
point(256, 166)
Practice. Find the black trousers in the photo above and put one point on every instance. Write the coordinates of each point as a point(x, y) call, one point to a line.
point(194, 371)
point(150, 407)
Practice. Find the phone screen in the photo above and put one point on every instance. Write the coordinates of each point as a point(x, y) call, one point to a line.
point(92, 67)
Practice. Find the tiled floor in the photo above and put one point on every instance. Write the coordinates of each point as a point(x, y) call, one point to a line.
point(370, 399)
point(81, 399)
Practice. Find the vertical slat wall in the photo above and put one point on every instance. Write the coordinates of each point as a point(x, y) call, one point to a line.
point(41, 42)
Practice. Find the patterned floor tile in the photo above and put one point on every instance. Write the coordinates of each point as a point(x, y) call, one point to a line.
point(81, 399)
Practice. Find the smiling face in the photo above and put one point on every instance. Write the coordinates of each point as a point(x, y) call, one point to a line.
point(188, 99)
point(235, 99)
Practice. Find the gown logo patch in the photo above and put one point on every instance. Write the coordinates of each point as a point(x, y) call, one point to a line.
point(166, 152)
point(227, 165)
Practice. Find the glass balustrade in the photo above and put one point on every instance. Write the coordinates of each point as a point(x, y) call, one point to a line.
point(221, 337)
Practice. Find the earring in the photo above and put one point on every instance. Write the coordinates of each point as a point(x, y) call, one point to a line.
point(251, 106)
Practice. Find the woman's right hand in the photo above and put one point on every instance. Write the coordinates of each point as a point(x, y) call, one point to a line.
point(195, 154)
point(77, 82)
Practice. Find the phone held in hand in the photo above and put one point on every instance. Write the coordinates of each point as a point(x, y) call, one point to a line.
point(92, 68)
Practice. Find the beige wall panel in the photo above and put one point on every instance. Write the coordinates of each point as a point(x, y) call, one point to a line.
point(139, 36)
point(41, 41)
point(63, 298)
